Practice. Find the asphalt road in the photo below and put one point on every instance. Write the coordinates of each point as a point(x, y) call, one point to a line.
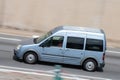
point(9, 42)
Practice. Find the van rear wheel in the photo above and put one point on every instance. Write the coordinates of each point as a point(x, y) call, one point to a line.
point(30, 58)
point(90, 65)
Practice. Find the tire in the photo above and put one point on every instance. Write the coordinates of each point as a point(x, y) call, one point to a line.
point(30, 58)
point(90, 65)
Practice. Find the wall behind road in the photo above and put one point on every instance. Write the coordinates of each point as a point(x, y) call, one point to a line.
point(46, 14)
point(1, 11)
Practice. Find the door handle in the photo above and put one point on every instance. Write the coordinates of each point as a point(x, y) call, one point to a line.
point(66, 49)
point(61, 49)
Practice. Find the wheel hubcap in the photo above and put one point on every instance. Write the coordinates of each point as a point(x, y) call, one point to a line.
point(30, 58)
point(90, 66)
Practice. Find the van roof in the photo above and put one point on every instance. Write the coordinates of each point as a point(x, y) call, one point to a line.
point(76, 28)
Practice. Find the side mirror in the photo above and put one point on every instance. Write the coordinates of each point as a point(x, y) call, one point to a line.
point(35, 37)
point(35, 40)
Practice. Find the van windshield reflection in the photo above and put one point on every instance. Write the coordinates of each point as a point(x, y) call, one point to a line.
point(39, 39)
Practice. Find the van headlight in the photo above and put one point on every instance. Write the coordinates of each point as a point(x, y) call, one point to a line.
point(18, 47)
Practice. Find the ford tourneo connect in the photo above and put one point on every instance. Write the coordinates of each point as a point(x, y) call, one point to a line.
point(69, 45)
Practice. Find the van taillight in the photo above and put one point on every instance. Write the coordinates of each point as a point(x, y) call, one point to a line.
point(103, 58)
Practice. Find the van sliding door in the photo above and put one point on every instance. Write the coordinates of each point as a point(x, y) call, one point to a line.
point(74, 50)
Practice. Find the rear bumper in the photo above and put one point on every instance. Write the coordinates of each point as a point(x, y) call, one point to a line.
point(102, 65)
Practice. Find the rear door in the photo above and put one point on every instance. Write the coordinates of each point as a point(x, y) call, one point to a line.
point(94, 49)
point(74, 48)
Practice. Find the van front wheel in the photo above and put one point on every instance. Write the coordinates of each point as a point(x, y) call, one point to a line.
point(90, 65)
point(30, 58)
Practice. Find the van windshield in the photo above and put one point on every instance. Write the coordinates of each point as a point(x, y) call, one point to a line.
point(39, 39)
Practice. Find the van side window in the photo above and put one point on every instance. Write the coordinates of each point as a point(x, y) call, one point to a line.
point(56, 41)
point(75, 43)
point(94, 45)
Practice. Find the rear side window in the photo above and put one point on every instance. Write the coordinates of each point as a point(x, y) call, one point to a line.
point(75, 43)
point(94, 45)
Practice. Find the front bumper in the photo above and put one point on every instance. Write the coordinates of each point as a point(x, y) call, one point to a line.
point(15, 56)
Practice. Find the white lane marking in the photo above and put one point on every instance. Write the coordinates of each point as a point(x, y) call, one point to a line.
point(15, 35)
point(113, 52)
point(41, 74)
point(91, 77)
point(34, 70)
point(41, 71)
point(12, 39)
point(33, 36)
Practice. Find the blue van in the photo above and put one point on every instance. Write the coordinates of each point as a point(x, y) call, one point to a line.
point(67, 44)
